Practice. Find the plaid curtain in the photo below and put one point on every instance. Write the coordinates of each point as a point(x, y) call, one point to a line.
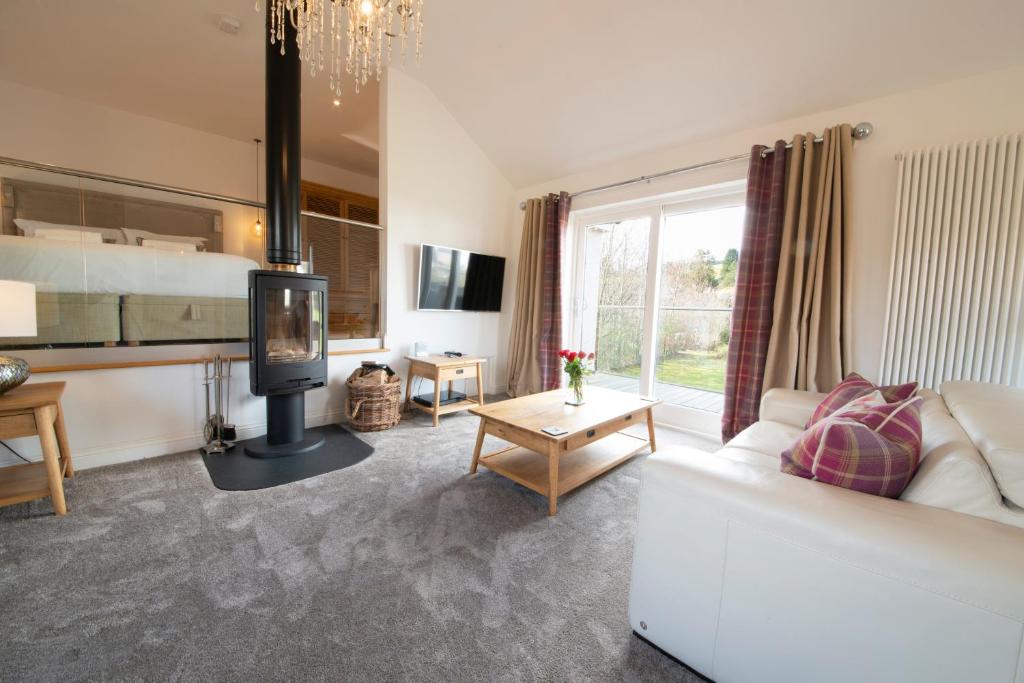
point(556, 216)
point(755, 289)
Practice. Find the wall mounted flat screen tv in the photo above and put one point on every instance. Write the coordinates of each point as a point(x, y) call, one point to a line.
point(458, 280)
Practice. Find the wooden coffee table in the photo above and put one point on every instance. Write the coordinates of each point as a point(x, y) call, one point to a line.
point(555, 465)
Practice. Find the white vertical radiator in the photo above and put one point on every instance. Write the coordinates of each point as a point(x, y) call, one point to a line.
point(957, 272)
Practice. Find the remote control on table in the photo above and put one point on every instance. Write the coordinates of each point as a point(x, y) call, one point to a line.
point(554, 431)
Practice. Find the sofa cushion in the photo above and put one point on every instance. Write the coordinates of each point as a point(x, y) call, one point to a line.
point(870, 446)
point(750, 457)
point(789, 406)
point(767, 437)
point(993, 417)
point(853, 387)
point(953, 474)
point(761, 443)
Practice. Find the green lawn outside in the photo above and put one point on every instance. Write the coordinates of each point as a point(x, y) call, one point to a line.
point(697, 369)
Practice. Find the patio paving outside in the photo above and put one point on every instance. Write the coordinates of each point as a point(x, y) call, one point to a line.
point(669, 393)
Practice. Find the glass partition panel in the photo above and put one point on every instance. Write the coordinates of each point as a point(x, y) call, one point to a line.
point(349, 256)
point(118, 265)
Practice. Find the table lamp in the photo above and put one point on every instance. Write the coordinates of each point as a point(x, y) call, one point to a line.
point(17, 319)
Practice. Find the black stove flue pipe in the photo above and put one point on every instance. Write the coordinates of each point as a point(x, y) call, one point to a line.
point(286, 434)
point(283, 148)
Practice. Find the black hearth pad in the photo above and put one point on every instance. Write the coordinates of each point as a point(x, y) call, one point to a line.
point(236, 471)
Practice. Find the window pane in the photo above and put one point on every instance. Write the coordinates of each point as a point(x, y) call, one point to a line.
point(700, 254)
point(615, 288)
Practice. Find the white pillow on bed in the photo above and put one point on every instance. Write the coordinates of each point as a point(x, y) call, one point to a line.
point(69, 235)
point(180, 247)
point(31, 228)
point(133, 236)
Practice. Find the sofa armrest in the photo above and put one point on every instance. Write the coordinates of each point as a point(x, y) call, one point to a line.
point(738, 566)
point(789, 406)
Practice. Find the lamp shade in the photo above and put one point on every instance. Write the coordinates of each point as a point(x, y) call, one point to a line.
point(17, 309)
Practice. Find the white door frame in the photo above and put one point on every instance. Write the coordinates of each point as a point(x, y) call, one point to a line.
point(655, 209)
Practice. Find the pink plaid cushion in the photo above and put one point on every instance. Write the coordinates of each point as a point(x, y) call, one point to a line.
point(855, 386)
point(868, 446)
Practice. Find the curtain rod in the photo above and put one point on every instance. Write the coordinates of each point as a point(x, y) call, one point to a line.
point(860, 131)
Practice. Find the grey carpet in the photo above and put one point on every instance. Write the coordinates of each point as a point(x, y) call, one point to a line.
point(402, 567)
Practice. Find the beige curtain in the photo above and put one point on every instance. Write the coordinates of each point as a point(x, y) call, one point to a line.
point(524, 371)
point(809, 344)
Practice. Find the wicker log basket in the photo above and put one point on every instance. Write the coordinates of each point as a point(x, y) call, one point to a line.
point(373, 400)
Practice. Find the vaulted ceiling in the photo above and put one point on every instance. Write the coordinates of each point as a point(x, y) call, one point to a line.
point(552, 87)
point(545, 87)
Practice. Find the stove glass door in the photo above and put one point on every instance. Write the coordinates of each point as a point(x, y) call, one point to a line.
point(294, 328)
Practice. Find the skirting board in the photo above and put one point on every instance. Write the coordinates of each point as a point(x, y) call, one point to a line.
point(88, 458)
point(101, 456)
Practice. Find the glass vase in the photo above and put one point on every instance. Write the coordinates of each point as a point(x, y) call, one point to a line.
point(575, 395)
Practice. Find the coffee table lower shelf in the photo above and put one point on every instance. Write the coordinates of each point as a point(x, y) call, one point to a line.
point(575, 468)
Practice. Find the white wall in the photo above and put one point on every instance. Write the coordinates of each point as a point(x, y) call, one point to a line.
point(438, 187)
point(124, 414)
point(982, 106)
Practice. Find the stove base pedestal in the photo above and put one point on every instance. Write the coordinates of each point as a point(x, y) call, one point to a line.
point(235, 470)
point(286, 429)
point(261, 447)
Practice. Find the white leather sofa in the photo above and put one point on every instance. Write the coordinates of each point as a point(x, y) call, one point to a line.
point(747, 574)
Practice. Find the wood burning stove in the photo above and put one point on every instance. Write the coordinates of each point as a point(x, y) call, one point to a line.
point(287, 355)
point(288, 332)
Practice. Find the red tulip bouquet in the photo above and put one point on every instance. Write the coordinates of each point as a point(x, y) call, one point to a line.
point(577, 364)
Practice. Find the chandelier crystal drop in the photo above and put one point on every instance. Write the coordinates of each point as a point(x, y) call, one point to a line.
point(368, 27)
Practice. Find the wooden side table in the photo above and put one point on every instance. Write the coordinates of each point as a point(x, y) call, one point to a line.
point(439, 369)
point(34, 410)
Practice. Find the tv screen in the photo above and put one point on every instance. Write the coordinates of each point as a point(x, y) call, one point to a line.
point(458, 280)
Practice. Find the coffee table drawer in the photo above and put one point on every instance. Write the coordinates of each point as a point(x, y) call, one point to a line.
point(464, 372)
point(580, 439)
point(520, 437)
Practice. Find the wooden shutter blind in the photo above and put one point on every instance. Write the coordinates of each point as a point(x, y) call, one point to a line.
point(348, 255)
point(358, 212)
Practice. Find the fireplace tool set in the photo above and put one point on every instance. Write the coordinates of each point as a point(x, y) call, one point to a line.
point(220, 434)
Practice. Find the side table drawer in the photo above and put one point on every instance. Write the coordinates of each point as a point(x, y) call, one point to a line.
point(462, 372)
point(15, 425)
point(581, 439)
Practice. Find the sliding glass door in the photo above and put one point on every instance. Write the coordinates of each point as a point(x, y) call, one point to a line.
point(613, 299)
point(652, 294)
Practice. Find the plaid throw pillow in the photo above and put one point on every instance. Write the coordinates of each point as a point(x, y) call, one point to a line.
point(869, 446)
point(853, 387)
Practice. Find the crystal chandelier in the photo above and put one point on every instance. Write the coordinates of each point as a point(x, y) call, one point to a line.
point(368, 25)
